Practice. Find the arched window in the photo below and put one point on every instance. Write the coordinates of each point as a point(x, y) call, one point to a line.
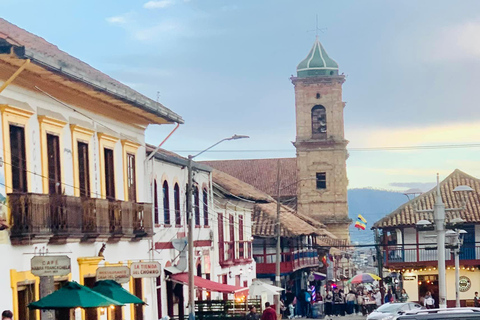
point(196, 206)
point(205, 207)
point(155, 201)
point(166, 204)
point(176, 196)
point(319, 122)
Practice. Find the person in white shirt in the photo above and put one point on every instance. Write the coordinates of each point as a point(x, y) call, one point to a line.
point(428, 301)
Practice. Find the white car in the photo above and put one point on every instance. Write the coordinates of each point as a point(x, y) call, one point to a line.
point(390, 311)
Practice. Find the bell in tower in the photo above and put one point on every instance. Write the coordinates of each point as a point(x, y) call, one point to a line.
point(320, 142)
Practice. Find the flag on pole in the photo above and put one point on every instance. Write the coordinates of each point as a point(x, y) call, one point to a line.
point(361, 218)
point(360, 225)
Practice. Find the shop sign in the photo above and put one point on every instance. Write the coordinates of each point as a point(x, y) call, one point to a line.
point(146, 269)
point(409, 278)
point(121, 274)
point(464, 284)
point(45, 266)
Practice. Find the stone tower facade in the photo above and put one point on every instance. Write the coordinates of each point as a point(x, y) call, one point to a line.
point(320, 142)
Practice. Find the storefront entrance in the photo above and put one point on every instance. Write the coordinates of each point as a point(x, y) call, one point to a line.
point(428, 283)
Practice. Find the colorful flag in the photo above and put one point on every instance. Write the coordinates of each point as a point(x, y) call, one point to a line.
point(360, 225)
point(361, 218)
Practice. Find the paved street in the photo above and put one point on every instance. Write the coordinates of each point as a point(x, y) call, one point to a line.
point(348, 317)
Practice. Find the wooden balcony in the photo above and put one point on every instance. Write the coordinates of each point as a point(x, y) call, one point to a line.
point(235, 253)
point(59, 219)
point(290, 261)
point(423, 255)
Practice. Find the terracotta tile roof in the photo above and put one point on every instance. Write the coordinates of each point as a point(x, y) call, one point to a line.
point(265, 214)
point(239, 188)
point(40, 50)
point(406, 215)
point(264, 218)
point(262, 173)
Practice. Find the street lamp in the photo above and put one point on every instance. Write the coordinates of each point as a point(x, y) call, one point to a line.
point(439, 217)
point(455, 238)
point(191, 264)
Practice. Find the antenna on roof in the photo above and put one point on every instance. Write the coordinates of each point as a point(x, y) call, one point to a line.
point(158, 96)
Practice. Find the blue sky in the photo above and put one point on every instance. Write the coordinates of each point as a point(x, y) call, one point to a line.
point(412, 68)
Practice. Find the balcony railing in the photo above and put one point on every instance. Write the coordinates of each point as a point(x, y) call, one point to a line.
point(290, 261)
point(235, 252)
point(411, 254)
point(62, 218)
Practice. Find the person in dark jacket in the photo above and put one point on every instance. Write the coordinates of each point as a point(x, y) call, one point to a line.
point(252, 315)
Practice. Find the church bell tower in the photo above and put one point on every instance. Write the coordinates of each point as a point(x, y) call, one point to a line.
point(320, 142)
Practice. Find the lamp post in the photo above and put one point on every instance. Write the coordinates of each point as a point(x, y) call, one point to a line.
point(456, 241)
point(191, 264)
point(439, 218)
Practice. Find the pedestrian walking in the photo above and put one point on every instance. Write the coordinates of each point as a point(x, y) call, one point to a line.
point(7, 315)
point(360, 303)
point(252, 315)
point(337, 302)
point(351, 298)
point(328, 299)
point(404, 296)
point(428, 301)
point(476, 300)
point(269, 313)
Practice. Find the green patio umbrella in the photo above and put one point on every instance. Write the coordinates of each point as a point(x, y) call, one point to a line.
point(115, 291)
point(73, 295)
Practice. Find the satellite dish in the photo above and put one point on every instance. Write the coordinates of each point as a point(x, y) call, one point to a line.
point(180, 244)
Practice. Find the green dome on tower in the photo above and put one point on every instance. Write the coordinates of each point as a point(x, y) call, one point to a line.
point(317, 63)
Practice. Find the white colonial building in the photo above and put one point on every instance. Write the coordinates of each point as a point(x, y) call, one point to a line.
point(222, 233)
point(72, 155)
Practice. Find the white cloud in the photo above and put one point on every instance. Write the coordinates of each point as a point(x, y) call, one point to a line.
point(454, 133)
point(158, 4)
point(117, 20)
point(153, 33)
point(453, 43)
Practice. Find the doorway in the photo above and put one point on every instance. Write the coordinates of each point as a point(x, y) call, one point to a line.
point(428, 283)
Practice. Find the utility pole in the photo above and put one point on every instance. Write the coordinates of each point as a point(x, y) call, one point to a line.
point(191, 262)
point(439, 217)
point(379, 262)
point(278, 255)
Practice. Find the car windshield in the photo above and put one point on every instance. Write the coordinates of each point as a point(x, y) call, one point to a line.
point(390, 308)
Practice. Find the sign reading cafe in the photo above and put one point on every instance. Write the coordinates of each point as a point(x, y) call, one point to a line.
point(45, 266)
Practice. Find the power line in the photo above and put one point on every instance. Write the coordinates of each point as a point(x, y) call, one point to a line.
point(380, 148)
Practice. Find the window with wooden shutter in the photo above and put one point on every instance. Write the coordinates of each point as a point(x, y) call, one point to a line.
point(83, 169)
point(18, 159)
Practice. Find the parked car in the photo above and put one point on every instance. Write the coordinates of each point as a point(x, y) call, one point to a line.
point(442, 314)
point(390, 311)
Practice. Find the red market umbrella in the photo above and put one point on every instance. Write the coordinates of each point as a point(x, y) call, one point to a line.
point(364, 278)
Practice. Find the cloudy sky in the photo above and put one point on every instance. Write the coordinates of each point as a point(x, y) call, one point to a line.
point(412, 67)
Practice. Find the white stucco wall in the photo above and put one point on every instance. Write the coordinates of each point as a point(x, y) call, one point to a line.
point(18, 257)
